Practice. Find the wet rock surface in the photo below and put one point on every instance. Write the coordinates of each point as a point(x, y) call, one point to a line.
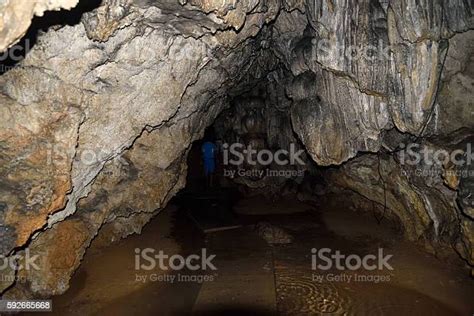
point(273, 234)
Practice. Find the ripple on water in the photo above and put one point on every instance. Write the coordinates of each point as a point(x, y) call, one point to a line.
point(297, 294)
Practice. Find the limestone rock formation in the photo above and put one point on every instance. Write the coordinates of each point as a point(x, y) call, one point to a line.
point(95, 101)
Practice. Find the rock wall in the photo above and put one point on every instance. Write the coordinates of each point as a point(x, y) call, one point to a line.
point(376, 65)
point(364, 71)
point(131, 79)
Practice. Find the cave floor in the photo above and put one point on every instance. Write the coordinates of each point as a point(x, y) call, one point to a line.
point(254, 277)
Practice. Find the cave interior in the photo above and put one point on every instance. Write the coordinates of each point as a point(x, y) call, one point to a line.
point(286, 157)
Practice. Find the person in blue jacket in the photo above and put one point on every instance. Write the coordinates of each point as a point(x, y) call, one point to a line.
point(209, 151)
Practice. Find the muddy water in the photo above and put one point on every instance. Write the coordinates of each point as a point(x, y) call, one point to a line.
point(304, 291)
point(107, 284)
point(255, 278)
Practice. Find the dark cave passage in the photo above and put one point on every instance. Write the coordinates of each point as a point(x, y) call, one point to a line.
point(263, 242)
point(237, 157)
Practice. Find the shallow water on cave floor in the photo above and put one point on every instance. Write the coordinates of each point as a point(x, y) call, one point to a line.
point(256, 278)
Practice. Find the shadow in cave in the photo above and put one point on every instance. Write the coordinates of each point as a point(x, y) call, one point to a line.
point(39, 24)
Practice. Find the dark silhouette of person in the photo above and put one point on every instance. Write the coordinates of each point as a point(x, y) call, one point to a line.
point(209, 151)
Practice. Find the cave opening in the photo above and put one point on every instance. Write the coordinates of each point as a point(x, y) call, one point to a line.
point(237, 157)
